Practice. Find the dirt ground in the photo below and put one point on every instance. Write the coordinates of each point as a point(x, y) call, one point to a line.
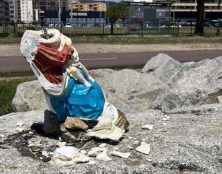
point(13, 49)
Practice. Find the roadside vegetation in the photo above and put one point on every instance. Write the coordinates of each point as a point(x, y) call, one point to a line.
point(8, 87)
point(129, 39)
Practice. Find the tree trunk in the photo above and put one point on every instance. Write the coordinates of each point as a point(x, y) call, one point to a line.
point(199, 29)
point(112, 27)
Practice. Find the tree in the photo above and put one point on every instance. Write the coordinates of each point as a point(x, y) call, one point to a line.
point(199, 29)
point(116, 11)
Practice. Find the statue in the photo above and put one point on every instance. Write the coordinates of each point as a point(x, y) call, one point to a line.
point(69, 89)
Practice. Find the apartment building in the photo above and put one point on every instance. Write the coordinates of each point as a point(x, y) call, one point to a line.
point(26, 7)
point(188, 8)
point(42, 6)
point(87, 6)
point(14, 10)
point(4, 11)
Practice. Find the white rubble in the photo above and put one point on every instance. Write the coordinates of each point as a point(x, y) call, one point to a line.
point(120, 154)
point(113, 134)
point(144, 148)
point(148, 126)
point(96, 151)
point(103, 156)
point(65, 153)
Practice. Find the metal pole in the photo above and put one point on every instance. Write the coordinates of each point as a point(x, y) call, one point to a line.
point(59, 14)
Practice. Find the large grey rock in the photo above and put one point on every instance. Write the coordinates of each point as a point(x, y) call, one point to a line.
point(195, 86)
point(164, 67)
point(29, 96)
point(125, 89)
point(129, 88)
point(186, 143)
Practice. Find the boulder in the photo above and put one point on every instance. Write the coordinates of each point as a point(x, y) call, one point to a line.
point(195, 86)
point(124, 88)
point(164, 67)
point(186, 143)
point(29, 96)
point(129, 88)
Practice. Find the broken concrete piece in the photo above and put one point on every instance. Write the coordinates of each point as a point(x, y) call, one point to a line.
point(144, 148)
point(103, 156)
point(219, 98)
point(83, 151)
point(114, 134)
point(96, 151)
point(75, 123)
point(148, 126)
point(81, 158)
point(92, 162)
point(65, 153)
point(102, 145)
point(44, 153)
point(120, 154)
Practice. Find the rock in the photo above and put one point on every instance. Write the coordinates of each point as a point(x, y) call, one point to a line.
point(44, 153)
point(66, 153)
point(144, 148)
point(219, 99)
point(120, 154)
point(112, 134)
point(194, 87)
point(83, 151)
point(148, 126)
point(164, 67)
point(51, 125)
point(102, 145)
point(92, 162)
point(127, 88)
point(29, 96)
point(75, 123)
point(188, 142)
point(103, 156)
point(95, 151)
point(81, 158)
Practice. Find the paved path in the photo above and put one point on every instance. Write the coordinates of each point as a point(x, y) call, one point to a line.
point(112, 60)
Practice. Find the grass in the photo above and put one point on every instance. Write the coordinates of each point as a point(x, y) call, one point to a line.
point(145, 36)
point(8, 87)
point(128, 39)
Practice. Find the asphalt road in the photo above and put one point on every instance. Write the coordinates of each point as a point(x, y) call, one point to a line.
point(10, 64)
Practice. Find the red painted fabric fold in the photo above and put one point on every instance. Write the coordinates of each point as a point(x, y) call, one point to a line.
point(51, 61)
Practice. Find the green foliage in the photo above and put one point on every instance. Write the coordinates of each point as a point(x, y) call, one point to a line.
point(7, 92)
point(117, 11)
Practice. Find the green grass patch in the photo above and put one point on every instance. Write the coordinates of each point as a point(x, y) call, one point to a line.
point(128, 39)
point(7, 92)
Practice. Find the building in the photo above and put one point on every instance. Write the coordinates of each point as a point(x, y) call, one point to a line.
point(187, 9)
point(86, 13)
point(14, 10)
point(4, 11)
point(26, 7)
point(87, 6)
point(42, 6)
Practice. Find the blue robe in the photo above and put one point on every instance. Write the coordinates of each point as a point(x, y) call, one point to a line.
point(78, 101)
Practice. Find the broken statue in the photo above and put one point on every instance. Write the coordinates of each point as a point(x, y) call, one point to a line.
point(69, 89)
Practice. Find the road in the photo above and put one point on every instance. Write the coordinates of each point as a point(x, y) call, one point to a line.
point(10, 64)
